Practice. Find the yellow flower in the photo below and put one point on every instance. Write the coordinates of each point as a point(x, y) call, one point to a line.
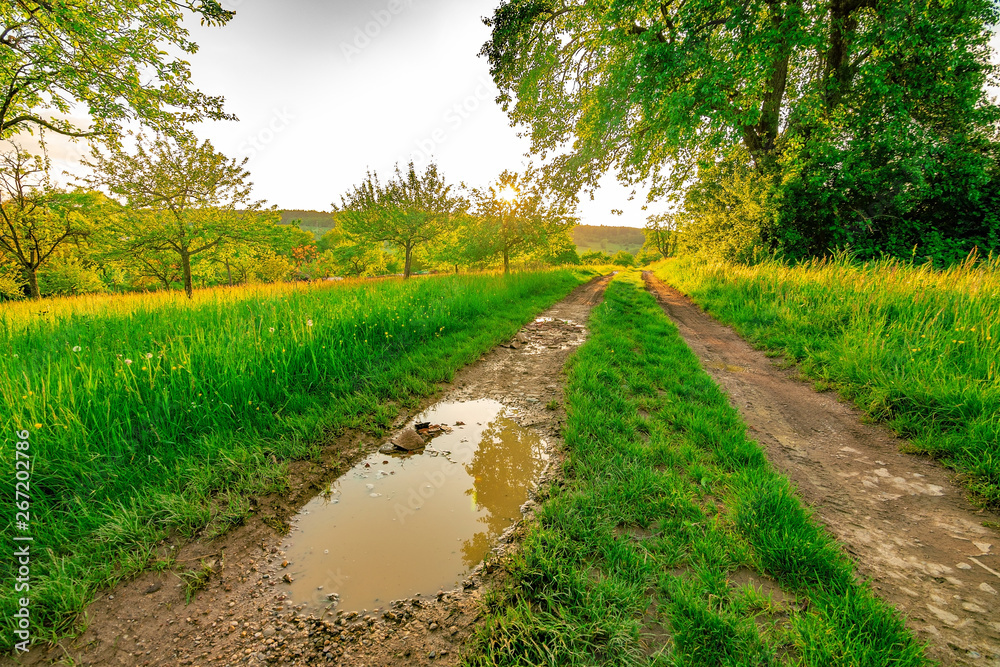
point(38, 425)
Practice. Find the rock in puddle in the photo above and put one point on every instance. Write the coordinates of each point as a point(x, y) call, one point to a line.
point(409, 440)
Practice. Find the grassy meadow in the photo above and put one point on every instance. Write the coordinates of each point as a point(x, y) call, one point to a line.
point(912, 346)
point(153, 416)
point(672, 541)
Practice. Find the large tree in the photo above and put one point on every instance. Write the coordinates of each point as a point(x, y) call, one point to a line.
point(408, 212)
point(182, 198)
point(111, 58)
point(514, 218)
point(857, 108)
point(36, 219)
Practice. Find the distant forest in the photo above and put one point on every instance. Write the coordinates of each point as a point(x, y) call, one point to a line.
point(588, 238)
point(308, 218)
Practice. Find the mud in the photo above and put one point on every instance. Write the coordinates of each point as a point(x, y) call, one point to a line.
point(244, 615)
point(903, 520)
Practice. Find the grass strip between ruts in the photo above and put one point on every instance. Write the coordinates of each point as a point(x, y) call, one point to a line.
point(672, 541)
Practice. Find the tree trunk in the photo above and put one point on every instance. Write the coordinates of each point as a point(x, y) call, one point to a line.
point(456, 269)
point(186, 266)
point(409, 259)
point(229, 273)
point(506, 261)
point(33, 290)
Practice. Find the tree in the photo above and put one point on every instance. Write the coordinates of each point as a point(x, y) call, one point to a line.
point(110, 57)
point(855, 111)
point(37, 219)
point(181, 198)
point(515, 218)
point(345, 255)
point(623, 258)
point(661, 233)
point(407, 212)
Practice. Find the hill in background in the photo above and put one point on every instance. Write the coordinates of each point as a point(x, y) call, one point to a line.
point(317, 222)
point(590, 238)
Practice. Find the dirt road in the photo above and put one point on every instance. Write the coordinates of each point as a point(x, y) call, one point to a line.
point(243, 615)
point(907, 526)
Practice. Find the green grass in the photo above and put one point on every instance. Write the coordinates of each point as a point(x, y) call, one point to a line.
point(672, 541)
point(914, 347)
point(220, 393)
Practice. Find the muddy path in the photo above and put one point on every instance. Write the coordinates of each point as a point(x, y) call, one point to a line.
point(907, 526)
point(244, 614)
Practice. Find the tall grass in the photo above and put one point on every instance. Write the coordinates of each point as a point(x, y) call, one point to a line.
point(152, 415)
point(916, 347)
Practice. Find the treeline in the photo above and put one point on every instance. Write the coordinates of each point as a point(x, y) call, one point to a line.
point(177, 214)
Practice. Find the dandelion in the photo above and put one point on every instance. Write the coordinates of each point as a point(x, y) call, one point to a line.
point(128, 362)
point(77, 348)
point(38, 425)
point(271, 329)
point(149, 355)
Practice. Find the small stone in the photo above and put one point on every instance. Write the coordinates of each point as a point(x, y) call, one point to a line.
point(287, 578)
point(432, 655)
point(269, 631)
point(433, 626)
point(986, 588)
point(409, 440)
point(284, 563)
point(964, 566)
point(453, 630)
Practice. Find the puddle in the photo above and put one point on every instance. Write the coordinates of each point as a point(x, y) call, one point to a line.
point(395, 526)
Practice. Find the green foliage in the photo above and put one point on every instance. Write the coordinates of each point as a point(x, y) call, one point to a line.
point(153, 415)
point(66, 275)
point(912, 346)
point(37, 219)
point(647, 256)
point(514, 218)
point(111, 58)
point(851, 123)
point(622, 258)
point(728, 213)
point(12, 283)
point(634, 560)
point(595, 258)
point(180, 199)
point(408, 212)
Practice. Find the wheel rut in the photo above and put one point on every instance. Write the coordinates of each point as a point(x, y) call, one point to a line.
point(906, 524)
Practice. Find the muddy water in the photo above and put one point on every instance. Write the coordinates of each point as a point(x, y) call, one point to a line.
point(397, 526)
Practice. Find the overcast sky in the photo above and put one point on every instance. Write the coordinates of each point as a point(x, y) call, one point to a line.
point(325, 90)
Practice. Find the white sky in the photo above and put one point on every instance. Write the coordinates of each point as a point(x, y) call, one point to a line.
point(323, 101)
point(320, 102)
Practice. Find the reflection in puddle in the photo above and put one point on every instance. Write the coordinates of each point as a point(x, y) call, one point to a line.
point(395, 526)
